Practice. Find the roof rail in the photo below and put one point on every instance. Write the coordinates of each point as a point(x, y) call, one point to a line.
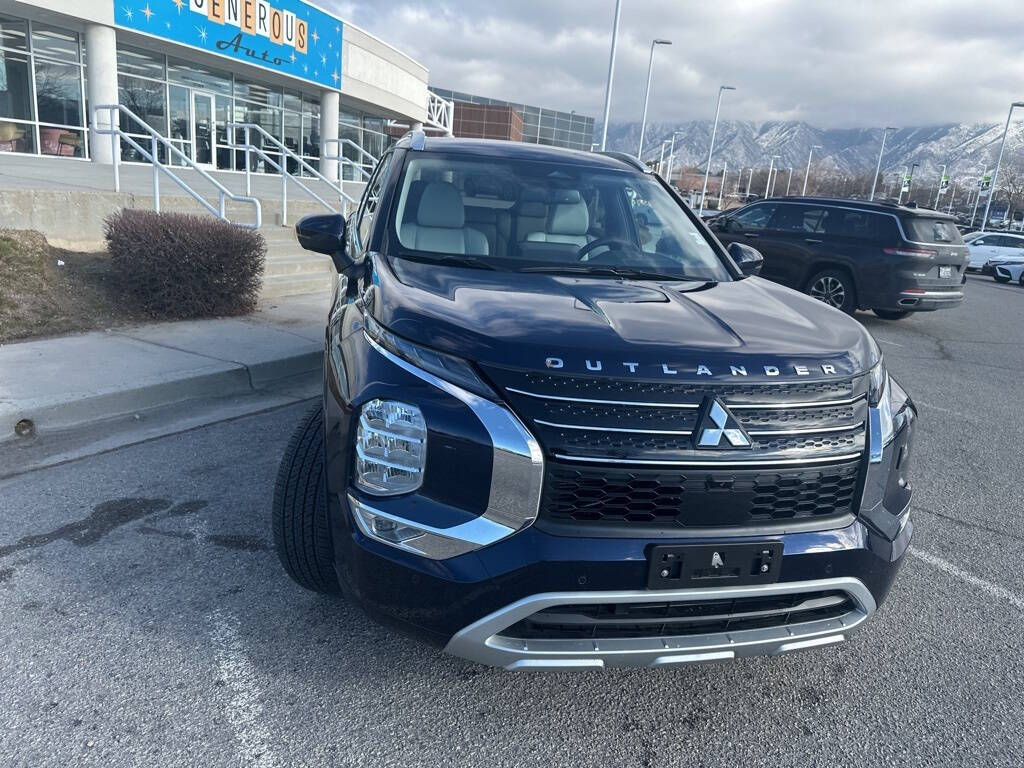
point(417, 139)
point(629, 159)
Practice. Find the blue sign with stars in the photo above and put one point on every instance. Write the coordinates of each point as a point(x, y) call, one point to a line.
point(285, 36)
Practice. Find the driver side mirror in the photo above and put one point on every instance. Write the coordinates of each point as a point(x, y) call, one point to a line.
point(325, 233)
point(748, 259)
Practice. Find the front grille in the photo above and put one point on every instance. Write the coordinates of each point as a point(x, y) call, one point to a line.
point(698, 498)
point(676, 619)
point(624, 450)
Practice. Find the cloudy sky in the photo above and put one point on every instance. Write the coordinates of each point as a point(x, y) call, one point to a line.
point(833, 63)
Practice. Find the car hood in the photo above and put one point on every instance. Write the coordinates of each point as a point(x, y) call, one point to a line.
point(748, 328)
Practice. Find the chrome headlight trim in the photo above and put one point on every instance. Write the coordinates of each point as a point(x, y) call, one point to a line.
point(517, 473)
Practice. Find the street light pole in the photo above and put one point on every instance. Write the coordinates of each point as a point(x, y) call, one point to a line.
point(999, 161)
point(661, 160)
point(938, 194)
point(878, 168)
point(910, 181)
point(771, 166)
point(750, 180)
point(903, 178)
point(789, 180)
point(977, 199)
point(721, 189)
point(672, 157)
point(647, 94)
point(807, 173)
point(711, 148)
point(611, 75)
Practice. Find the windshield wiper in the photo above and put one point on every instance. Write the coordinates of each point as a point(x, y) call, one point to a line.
point(632, 272)
point(449, 260)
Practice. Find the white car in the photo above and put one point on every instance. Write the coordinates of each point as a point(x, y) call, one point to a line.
point(993, 246)
point(1004, 273)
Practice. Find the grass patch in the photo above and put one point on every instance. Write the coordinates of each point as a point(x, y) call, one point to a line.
point(40, 297)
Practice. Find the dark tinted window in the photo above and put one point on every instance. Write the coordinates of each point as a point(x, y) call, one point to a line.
point(790, 217)
point(856, 224)
point(924, 230)
point(753, 218)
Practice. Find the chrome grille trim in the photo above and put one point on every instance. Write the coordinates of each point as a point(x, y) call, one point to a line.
point(761, 462)
point(688, 406)
point(584, 427)
point(807, 431)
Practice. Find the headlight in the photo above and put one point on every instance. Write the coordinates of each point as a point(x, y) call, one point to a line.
point(447, 367)
point(391, 448)
point(888, 402)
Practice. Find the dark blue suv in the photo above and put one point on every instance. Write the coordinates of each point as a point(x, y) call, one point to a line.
point(564, 430)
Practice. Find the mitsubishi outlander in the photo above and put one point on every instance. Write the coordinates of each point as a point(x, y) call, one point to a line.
point(563, 427)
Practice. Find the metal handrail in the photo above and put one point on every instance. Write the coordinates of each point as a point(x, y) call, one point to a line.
point(340, 157)
point(282, 168)
point(116, 135)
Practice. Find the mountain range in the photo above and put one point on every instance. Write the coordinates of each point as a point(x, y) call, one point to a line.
point(967, 148)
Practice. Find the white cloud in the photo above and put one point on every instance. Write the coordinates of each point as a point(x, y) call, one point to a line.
point(833, 64)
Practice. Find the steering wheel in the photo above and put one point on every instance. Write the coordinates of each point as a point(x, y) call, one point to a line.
point(604, 242)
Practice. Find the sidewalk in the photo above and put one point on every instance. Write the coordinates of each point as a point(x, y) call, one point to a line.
point(70, 383)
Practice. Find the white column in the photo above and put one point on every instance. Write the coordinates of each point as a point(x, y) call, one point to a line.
point(415, 125)
point(101, 53)
point(329, 110)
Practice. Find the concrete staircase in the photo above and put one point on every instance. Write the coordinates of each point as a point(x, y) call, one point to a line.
point(290, 270)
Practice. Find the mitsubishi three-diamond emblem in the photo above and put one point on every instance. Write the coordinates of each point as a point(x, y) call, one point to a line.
point(718, 423)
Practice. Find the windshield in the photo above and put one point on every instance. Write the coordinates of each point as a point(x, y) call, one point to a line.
point(921, 229)
point(520, 215)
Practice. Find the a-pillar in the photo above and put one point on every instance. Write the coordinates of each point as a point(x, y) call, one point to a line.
point(329, 106)
point(101, 53)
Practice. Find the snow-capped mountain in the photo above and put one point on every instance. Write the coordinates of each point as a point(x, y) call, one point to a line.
point(968, 149)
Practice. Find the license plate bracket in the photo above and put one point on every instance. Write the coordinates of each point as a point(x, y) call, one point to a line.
point(683, 566)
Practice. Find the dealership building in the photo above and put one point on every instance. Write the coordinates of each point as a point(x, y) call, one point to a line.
point(187, 69)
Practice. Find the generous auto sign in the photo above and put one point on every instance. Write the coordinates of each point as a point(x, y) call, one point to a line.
point(286, 36)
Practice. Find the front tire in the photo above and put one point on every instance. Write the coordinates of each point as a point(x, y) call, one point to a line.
point(834, 288)
point(891, 314)
point(300, 519)
point(1000, 278)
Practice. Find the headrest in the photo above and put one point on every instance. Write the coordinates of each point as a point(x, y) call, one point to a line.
point(534, 209)
point(569, 219)
point(565, 196)
point(441, 206)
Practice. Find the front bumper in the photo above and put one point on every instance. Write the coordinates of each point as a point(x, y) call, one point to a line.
point(484, 641)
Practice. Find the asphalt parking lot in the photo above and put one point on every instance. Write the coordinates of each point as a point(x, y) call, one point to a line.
point(144, 619)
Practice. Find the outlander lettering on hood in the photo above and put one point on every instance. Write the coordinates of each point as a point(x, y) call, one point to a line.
point(701, 369)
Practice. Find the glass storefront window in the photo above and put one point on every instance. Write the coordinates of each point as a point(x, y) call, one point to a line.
point(195, 76)
point(147, 99)
point(260, 94)
point(16, 137)
point(13, 33)
point(15, 87)
point(135, 61)
point(54, 43)
point(180, 114)
point(63, 142)
point(58, 93)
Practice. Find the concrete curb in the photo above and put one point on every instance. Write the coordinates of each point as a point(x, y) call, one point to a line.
point(73, 382)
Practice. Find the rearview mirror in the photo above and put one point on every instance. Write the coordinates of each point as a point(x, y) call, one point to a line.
point(325, 233)
point(748, 259)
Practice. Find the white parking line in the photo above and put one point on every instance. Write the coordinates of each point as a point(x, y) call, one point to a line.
point(1017, 601)
point(939, 408)
point(886, 341)
point(245, 711)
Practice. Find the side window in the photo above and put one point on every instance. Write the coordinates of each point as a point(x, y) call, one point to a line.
point(792, 218)
point(754, 218)
point(983, 241)
point(371, 198)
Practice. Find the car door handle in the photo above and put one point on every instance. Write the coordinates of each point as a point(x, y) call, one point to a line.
point(812, 241)
point(751, 234)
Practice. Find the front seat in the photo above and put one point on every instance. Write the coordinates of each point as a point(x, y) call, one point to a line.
point(440, 224)
point(568, 222)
